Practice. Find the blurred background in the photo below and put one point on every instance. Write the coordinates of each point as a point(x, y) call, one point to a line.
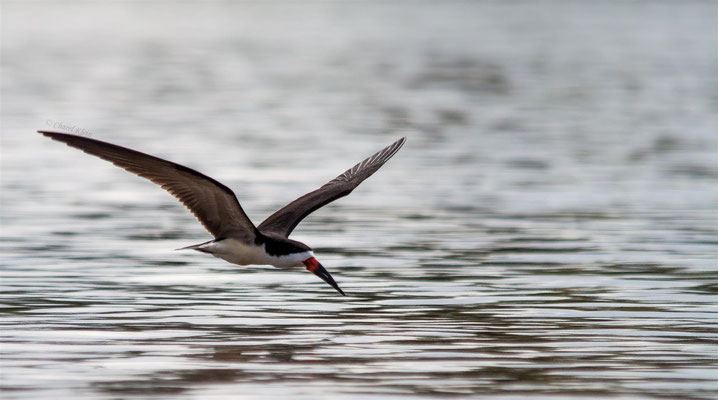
point(550, 228)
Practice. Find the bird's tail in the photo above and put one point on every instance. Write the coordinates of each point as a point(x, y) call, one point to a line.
point(196, 246)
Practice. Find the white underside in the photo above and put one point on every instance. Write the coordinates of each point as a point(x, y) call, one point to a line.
point(236, 252)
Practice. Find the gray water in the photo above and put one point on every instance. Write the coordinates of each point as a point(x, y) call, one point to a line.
point(550, 229)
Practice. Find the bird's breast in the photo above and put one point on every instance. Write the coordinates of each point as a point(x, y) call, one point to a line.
point(238, 252)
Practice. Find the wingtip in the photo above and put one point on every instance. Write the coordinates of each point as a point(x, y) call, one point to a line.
point(50, 134)
point(55, 133)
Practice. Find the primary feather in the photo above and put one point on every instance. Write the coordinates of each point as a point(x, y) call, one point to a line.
point(284, 220)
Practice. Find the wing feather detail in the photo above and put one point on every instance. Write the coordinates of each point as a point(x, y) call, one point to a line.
point(284, 220)
point(212, 203)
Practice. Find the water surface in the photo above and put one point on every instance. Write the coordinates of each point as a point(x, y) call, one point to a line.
point(549, 230)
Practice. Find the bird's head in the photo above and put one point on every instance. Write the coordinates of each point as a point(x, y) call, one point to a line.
point(291, 253)
point(317, 269)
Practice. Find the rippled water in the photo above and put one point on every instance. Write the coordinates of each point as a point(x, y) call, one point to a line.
point(550, 228)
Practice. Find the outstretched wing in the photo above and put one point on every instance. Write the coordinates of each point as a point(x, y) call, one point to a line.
point(286, 219)
point(214, 204)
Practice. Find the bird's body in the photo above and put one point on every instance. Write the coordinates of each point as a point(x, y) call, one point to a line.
point(242, 253)
point(236, 239)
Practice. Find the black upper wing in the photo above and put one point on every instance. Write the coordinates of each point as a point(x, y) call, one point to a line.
point(286, 219)
point(214, 204)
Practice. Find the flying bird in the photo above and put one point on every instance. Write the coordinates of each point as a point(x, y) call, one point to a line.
point(236, 239)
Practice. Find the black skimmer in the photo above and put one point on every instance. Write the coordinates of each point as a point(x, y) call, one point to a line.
point(236, 239)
